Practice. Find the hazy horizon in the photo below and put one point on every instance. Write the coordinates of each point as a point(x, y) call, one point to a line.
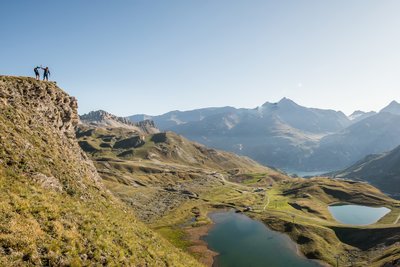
point(207, 107)
point(140, 57)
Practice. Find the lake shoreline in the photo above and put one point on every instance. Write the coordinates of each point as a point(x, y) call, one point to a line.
point(199, 246)
point(208, 256)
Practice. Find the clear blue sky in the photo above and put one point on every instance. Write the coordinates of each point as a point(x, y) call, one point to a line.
point(151, 57)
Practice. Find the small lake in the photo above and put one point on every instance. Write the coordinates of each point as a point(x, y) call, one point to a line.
point(243, 242)
point(357, 214)
point(305, 173)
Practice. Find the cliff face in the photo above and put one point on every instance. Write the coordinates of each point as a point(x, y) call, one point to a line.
point(45, 102)
point(37, 135)
point(54, 210)
point(103, 119)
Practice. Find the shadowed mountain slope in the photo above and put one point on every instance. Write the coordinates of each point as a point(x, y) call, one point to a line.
point(375, 134)
point(381, 170)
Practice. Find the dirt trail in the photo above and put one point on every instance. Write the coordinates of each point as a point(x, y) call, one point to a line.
point(397, 220)
point(266, 197)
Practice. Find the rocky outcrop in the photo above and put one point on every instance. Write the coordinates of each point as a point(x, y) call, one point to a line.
point(147, 126)
point(37, 122)
point(101, 118)
point(45, 102)
point(54, 210)
point(131, 142)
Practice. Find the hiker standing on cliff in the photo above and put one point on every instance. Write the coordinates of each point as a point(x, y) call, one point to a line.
point(46, 74)
point(37, 74)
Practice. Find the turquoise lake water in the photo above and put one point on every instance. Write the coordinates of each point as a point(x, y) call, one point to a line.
point(357, 214)
point(243, 242)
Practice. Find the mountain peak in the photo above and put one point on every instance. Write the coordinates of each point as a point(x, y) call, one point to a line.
point(393, 107)
point(284, 99)
point(287, 101)
point(359, 115)
point(101, 118)
point(283, 102)
point(357, 112)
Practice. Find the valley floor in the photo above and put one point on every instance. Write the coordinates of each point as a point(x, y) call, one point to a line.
point(303, 214)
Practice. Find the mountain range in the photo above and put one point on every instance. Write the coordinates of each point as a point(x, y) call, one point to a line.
point(158, 174)
point(380, 169)
point(287, 135)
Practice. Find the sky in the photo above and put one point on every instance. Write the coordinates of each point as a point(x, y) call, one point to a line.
point(154, 56)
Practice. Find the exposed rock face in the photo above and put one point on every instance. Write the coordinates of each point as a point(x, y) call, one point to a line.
point(37, 124)
point(147, 126)
point(101, 118)
point(54, 210)
point(45, 102)
point(131, 142)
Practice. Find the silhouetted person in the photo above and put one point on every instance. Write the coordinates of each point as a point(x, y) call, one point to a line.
point(46, 74)
point(37, 74)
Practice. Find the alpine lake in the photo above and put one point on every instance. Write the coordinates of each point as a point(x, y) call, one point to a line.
point(357, 214)
point(242, 241)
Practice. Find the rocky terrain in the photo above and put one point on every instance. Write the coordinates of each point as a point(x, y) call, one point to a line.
point(55, 210)
point(101, 118)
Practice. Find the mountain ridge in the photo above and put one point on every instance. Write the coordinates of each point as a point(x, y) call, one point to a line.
point(393, 107)
point(286, 135)
point(103, 118)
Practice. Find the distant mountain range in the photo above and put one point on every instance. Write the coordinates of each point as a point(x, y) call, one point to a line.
point(374, 134)
point(287, 135)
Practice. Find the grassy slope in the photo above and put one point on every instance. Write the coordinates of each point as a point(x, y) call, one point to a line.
point(140, 177)
point(315, 230)
point(164, 147)
point(42, 227)
point(54, 209)
point(152, 176)
point(177, 162)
